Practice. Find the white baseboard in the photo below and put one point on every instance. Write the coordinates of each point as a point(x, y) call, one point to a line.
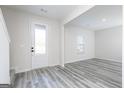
point(109, 59)
point(62, 65)
point(20, 70)
point(29, 69)
point(12, 68)
point(72, 61)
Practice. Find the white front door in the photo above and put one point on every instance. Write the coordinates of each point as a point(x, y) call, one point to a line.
point(39, 46)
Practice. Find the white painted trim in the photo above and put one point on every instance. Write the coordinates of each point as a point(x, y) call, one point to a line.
point(32, 23)
point(62, 45)
point(29, 69)
point(20, 71)
point(7, 68)
point(62, 65)
point(12, 68)
point(4, 26)
point(109, 59)
point(88, 59)
point(78, 60)
point(123, 50)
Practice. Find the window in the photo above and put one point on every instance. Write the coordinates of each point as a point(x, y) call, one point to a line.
point(80, 44)
point(40, 39)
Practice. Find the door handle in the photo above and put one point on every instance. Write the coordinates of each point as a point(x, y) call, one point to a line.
point(32, 49)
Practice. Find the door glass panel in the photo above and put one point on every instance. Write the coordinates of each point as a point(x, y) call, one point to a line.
point(40, 39)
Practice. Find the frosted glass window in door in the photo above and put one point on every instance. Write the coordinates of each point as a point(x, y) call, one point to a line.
point(80, 44)
point(40, 39)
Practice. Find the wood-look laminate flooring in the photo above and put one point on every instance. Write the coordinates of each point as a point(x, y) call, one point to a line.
point(92, 73)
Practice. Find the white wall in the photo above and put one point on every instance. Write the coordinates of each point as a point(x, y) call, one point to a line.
point(4, 52)
point(18, 25)
point(71, 34)
point(108, 44)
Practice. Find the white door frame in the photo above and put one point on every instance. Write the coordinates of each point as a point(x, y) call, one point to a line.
point(32, 40)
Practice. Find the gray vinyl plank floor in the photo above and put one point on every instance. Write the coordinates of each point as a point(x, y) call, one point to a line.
point(92, 73)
